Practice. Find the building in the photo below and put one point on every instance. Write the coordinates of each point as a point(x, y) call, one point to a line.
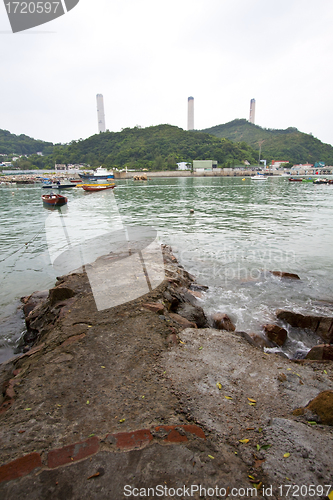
point(184, 166)
point(190, 113)
point(100, 113)
point(252, 110)
point(278, 163)
point(204, 165)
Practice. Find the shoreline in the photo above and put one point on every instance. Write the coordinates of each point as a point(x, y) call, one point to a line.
point(141, 394)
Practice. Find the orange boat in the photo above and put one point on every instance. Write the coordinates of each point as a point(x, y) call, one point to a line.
point(54, 200)
point(97, 187)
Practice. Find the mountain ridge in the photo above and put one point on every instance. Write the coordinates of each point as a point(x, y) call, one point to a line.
point(288, 144)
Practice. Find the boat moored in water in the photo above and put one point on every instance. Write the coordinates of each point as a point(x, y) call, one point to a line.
point(54, 200)
point(97, 187)
point(259, 177)
point(100, 173)
point(58, 185)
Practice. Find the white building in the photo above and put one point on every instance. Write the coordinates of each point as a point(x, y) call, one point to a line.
point(100, 113)
point(184, 166)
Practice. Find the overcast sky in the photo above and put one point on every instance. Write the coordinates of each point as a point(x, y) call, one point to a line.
point(147, 57)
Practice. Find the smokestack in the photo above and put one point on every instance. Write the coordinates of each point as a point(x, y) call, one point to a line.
point(190, 114)
point(100, 113)
point(252, 110)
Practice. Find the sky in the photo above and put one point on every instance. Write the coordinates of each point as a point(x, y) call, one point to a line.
point(147, 57)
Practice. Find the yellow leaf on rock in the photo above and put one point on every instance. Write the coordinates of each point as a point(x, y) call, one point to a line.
point(330, 496)
point(219, 385)
point(286, 455)
point(210, 456)
point(122, 420)
point(228, 397)
point(251, 477)
point(252, 400)
point(252, 404)
point(244, 441)
point(102, 366)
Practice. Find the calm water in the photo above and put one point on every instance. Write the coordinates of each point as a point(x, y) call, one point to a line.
point(239, 231)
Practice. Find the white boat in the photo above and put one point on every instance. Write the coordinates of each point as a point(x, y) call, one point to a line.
point(259, 177)
point(100, 173)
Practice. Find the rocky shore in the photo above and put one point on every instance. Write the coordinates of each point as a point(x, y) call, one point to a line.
point(153, 394)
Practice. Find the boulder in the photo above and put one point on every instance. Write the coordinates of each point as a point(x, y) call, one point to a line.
point(183, 322)
point(283, 274)
point(322, 326)
point(60, 293)
point(322, 406)
point(276, 334)
point(222, 321)
point(256, 340)
point(194, 314)
point(33, 301)
point(325, 329)
point(321, 352)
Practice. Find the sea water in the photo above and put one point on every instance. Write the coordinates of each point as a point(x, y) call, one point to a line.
point(240, 231)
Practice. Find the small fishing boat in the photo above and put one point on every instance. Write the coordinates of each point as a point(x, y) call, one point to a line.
point(97, 187)
point(58, 185)
point(75, 181)
point(259, 177)
point(323, 181)
point(54, 200)
point(295, 179)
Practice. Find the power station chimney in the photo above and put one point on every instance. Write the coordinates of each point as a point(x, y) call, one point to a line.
point(190, 114)
point(252, 110)
point(100, 113)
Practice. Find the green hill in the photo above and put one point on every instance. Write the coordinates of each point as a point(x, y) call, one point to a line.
point(155, 148)
point(289, 144)
point(22, 144)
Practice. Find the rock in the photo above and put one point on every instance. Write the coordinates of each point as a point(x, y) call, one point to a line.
point(194, 314)
point(276, 334)
point(325, 329)
point(182, 321)
point(318, 352)
point(223, 322)
point(322, 406)
point(256, 340)
point(60, 293)
point(154, 307)
point(198, 295)
point(33, 301)
point(298, 320)
point(322, 326)
point(171, 300)
point(283, 274)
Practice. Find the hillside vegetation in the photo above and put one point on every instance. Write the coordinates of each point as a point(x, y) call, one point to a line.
point(155, 148)
point(11, 144)
point(289, 144)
